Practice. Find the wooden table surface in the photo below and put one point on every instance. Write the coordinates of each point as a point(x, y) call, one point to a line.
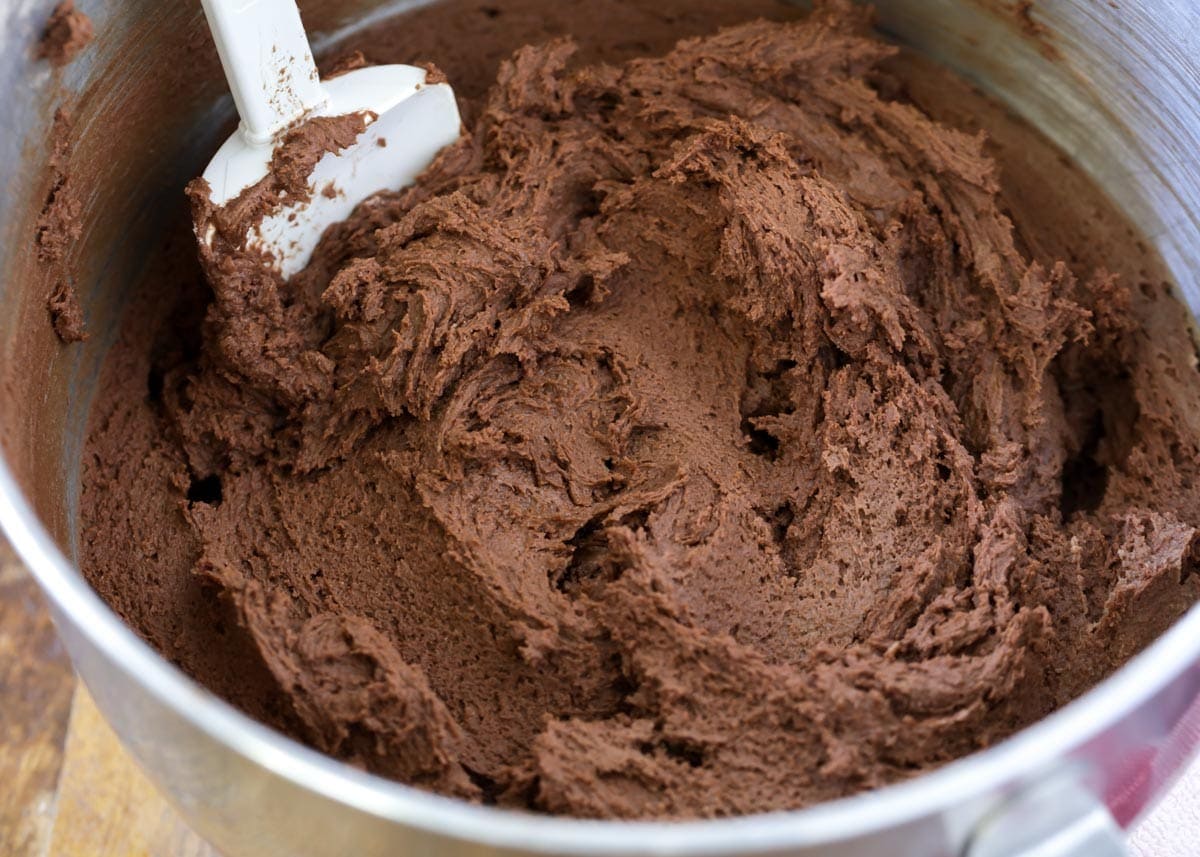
point(66, 786)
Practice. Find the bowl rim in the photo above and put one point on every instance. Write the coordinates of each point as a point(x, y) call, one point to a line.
point(955, 783)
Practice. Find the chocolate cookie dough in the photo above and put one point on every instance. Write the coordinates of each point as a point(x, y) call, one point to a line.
point(66, 35)
point(716, 429)
point(59, 228)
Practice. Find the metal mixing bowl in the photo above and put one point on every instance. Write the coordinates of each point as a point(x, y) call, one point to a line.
point(1114, 85)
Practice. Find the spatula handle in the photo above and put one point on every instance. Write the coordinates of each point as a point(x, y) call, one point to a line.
point(264, 51)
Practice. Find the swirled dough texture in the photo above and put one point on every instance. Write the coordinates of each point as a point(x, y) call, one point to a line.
point(700, 436)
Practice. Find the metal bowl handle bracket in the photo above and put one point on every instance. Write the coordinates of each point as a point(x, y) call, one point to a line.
point(1059, 818)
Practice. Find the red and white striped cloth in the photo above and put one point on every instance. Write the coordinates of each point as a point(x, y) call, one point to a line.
point(1172, 829)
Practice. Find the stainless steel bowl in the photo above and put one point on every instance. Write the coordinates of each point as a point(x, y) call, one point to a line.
point(1115, 85)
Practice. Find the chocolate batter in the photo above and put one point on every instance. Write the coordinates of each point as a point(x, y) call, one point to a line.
point(714, 430)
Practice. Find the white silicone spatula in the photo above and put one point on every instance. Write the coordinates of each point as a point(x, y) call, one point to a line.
point(270, 68)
